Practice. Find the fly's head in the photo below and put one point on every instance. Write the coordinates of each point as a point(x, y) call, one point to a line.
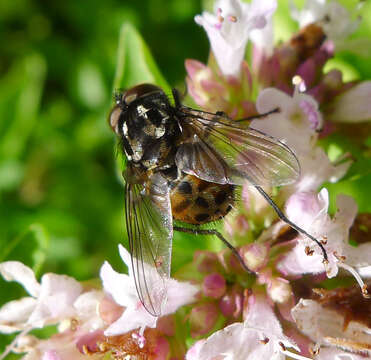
point(142, 118)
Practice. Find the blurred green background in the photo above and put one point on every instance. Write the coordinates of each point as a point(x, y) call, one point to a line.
point(61, 197)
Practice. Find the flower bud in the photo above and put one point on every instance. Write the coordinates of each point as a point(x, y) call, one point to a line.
point(280, 290)
point(255, 255)
point(203, 318)
point(231, 303)
point(214, 285)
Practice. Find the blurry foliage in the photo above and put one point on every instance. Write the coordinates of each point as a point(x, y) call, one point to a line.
point(61, 197)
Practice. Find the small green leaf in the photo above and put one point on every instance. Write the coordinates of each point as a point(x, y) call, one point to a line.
point(135, 63)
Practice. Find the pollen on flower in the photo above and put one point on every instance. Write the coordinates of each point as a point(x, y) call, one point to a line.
point(314, 350)
point(85, 350)
point(131, 345)
point(265, 341)
point(309, 251)
point(324, 240)
point(339, 257)
point(232, 18)
point(74, 323)
point(365, 292)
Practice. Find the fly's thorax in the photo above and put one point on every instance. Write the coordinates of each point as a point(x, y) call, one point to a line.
point(145, 122)
point(196, 201)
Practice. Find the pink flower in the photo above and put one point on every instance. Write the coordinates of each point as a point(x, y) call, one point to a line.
point(121, 287)
point(260, 336)
point(333, 326)
point(310, 212)
point(296, 125)
point(229, 28)
point(298, 118)
point(51, 300)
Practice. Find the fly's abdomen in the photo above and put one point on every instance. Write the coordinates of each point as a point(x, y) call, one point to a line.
point(196, 201)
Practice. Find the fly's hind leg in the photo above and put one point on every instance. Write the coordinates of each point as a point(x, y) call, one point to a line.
point(220, 236)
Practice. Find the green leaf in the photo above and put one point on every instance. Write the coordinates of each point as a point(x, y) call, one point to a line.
point(135, 63)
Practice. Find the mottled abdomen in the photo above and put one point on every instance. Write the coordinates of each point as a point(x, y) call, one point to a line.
point(196, 201)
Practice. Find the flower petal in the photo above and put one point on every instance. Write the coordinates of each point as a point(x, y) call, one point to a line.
point(55, 302)
point(120, 286)
point(324, 325)
point(353, 105)
point(14, 314)
point(16, 271)
point(131, 319)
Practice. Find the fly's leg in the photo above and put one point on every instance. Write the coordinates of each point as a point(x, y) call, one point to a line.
point(220, 236)
point(259, 116)
point(177, 97)
point(283, 217)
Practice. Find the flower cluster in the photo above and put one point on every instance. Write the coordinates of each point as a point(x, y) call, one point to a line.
point(283, 308)
point(91, 320)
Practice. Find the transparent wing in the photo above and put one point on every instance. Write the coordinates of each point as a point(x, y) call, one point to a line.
point(224, 151)
point(150, 232)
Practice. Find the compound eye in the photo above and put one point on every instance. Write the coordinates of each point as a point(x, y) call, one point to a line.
point(114, 117)
point(139, 91)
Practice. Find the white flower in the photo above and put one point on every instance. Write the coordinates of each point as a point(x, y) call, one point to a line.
point(333, 17)
point(229, 29)
point(123, 291)
point(325, 326)
point(51, 300)
point(61, 346)
point(296, 124)
point(259, 337)
point(310, 212)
